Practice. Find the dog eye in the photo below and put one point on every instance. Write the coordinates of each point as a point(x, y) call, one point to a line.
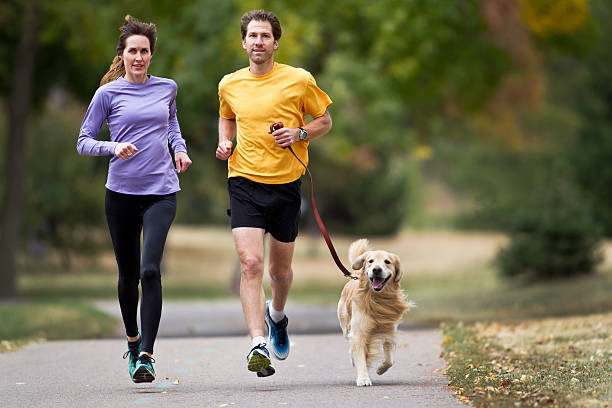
point(370, 261)
point(387, 261)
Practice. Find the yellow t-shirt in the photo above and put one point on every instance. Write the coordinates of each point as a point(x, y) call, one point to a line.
point(285, 94)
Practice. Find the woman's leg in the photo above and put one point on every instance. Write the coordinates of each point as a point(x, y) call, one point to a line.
point(157, 219)
point(125, 226)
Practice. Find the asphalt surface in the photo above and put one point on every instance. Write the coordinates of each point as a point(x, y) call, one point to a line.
point(198, 365)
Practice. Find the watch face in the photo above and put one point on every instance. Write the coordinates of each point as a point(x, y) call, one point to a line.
point(303, 134)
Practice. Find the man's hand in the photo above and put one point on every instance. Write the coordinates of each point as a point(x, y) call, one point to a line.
point(182, 161)
point(224, 150)
point(283, 136)
point(125, 151)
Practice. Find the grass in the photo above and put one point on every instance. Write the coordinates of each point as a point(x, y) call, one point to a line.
point(560, 362)
point(479, 294)
point(24, 322)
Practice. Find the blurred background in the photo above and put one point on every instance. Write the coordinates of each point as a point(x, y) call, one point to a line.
point(471, 137)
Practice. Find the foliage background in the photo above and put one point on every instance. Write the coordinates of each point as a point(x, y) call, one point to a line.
point(495, 101)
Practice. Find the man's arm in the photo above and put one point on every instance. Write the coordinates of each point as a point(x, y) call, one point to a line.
point(227, 133)
point(315, 128)
point(318, 126)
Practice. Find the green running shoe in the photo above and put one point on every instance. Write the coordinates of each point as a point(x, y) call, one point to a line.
point(144, 369)
point(132, 353)
point(258, 360)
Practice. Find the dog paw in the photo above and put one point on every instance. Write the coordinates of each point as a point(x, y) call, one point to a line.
point(383, 368)
point(364, 382)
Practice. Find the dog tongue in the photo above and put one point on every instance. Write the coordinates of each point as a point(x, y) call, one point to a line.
point(377, 282)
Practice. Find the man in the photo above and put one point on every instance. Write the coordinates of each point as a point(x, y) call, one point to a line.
point(264, 177)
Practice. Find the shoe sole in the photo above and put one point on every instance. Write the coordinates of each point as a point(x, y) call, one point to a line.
point(142, 375)
point(266, 372)
point(258, 362)
point(273, 350)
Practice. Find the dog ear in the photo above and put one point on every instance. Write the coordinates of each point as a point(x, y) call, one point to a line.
point(398, 270)
point(358, 263)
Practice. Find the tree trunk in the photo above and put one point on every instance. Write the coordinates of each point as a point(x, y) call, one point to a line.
point(14, 172)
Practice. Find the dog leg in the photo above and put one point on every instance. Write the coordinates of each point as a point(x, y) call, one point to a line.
point(388, 362)
point(359, 358)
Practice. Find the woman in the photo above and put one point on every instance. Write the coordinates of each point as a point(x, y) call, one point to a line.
point(142, 182)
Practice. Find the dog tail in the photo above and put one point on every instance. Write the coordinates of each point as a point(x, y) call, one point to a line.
point(357, 248)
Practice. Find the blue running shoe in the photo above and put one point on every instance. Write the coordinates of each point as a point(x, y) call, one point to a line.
point(277, 335)
point(144, 369)
point(132, 353)
point(258, 360)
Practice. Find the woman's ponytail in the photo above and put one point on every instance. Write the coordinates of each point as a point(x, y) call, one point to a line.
point(115, 70)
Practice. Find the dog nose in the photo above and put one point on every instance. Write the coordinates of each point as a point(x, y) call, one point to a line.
point(377, 269)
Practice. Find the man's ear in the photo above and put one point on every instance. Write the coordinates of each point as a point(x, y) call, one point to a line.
point(275, 45)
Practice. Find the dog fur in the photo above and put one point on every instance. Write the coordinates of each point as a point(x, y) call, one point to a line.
point(371, 307)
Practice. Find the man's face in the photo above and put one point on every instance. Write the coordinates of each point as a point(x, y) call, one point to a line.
point(259, 43)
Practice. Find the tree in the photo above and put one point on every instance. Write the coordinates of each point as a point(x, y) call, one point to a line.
point(14, 169)
point(46, 32)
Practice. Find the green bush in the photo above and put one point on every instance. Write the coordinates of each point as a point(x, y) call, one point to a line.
point(594, 174)
point(553, 238)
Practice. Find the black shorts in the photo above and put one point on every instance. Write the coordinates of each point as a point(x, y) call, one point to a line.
point(272, 207)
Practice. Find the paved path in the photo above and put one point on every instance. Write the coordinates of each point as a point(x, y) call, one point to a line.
point(209, 371)
point(224, 318)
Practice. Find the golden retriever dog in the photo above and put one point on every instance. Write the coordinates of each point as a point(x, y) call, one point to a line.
point(371, 307)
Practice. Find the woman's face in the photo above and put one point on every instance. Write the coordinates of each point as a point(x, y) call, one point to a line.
point(136, 58)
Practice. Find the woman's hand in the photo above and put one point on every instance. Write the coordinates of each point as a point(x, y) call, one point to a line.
point(125, 151)
point(182, 161)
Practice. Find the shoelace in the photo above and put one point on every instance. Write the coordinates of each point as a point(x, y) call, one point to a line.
point(133, 351)
point(260, 345)
point(145, 359)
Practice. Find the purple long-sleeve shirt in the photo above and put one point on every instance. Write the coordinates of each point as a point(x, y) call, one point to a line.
point(141, 114)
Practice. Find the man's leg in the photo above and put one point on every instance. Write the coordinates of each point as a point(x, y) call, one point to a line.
point(250, 247)
point(281, 274)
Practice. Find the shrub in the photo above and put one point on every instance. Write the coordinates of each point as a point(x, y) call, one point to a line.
point(556, 237)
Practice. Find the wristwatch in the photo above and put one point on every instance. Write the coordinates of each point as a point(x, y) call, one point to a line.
point(303, 134)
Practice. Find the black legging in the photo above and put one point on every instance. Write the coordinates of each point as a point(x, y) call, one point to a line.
point(127, 215)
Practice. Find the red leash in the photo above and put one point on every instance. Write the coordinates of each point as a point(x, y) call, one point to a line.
point(330, 245)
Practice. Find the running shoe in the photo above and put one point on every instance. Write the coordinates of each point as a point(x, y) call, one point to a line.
point(277, 335)
point(144, 369)
point(258, 360)
point(132, 354)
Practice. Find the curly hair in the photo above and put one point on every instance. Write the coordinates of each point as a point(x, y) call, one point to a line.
point(261, 15)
